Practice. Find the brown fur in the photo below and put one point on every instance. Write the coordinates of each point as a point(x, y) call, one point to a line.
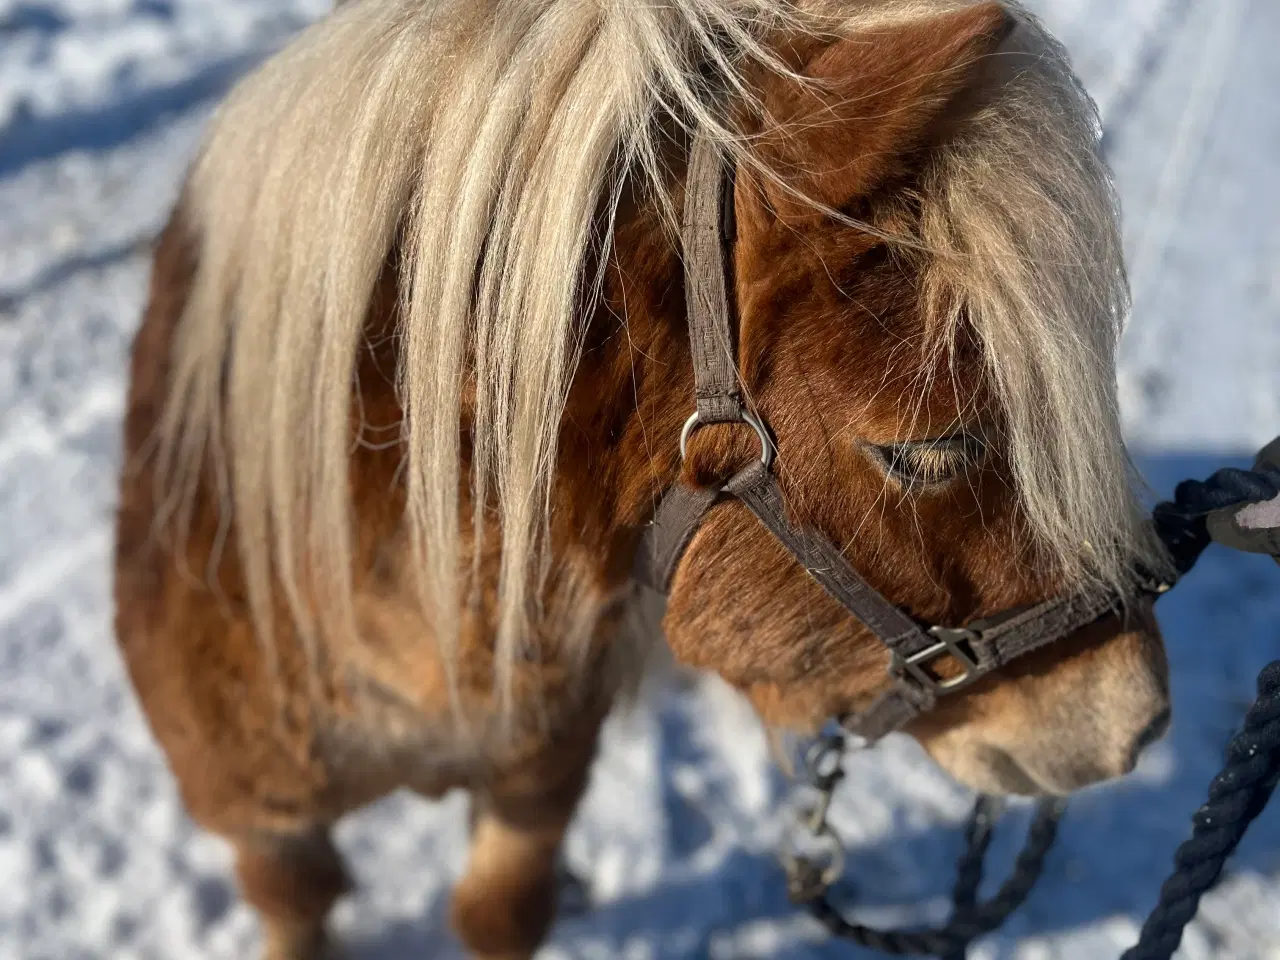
point(271, 750)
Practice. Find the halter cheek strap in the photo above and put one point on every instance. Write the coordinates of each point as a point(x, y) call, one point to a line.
point(979, 648)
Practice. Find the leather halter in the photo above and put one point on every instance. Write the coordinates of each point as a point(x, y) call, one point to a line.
point(979, 648)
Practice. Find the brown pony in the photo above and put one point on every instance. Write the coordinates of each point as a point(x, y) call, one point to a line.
point(415, 364)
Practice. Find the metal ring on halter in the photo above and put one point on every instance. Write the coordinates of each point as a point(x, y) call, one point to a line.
point(766, 445)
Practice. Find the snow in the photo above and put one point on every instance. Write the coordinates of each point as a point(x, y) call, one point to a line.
point(101, 102)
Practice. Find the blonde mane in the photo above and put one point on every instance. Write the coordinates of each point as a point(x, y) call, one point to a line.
point(481, 138)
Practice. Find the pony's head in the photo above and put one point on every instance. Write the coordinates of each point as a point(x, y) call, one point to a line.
point(929, 290)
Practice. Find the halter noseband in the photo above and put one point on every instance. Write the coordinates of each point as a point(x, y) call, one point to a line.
point(979, 648)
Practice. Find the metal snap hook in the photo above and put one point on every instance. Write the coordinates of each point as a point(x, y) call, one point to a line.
point(811, 854)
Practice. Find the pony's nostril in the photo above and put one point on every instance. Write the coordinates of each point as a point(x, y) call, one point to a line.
point(1153, 731)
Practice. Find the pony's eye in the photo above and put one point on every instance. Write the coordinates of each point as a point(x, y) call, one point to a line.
point(930, 463)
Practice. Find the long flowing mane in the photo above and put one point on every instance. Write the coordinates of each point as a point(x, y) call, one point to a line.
point(480, 141)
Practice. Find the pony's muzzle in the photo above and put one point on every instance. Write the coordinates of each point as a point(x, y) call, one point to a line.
point(1153, 732)
point(1064, 719)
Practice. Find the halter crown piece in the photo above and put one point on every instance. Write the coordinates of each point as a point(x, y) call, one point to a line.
point(707, 235)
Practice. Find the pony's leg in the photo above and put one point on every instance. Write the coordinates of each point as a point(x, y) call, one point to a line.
point(292, 881)
point(506, 902)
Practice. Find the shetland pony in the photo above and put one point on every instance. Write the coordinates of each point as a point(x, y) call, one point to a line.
point(415, 360)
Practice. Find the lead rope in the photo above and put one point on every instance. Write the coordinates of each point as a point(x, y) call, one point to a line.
point(810, 876)
point(1237, 796)
point(1241, 791)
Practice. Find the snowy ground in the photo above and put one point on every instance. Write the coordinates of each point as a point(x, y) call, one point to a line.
point(100, 104)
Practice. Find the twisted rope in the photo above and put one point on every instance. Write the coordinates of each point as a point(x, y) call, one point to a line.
point(971, 920)
point(977, 840)
point(1236, 796)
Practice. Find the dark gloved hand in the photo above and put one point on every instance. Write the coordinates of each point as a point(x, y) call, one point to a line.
point(1254, 526)
point(1237, 508)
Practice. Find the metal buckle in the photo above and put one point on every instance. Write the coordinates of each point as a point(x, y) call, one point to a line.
point(766, 445)
point(949, 644)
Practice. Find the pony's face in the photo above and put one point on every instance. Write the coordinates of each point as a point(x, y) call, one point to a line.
point(899, 450)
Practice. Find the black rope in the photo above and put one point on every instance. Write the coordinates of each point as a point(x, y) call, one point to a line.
point(1236, 796)
point(968, 922)
point(977, 840)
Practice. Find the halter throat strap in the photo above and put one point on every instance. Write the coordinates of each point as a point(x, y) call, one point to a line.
point(980, 648)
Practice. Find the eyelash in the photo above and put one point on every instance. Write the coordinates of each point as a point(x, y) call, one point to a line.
point(930, 463)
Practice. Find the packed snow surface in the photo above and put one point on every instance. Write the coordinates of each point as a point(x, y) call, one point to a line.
point(101, 104)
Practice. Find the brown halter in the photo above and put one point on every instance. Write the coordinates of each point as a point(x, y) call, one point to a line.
point(979, 648)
